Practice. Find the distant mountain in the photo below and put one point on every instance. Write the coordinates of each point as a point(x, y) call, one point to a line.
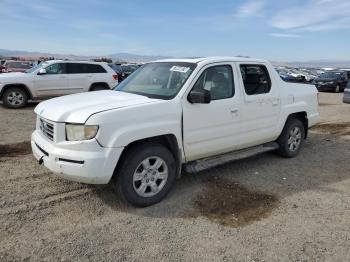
point(117, 56)
point(135, 58)
point(21, 53)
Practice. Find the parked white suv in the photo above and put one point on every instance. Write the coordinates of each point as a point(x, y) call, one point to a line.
point(171, 115)
point(55, 78)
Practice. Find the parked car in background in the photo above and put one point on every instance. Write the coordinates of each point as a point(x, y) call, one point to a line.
point(128, 69)
point(346, 97)
point(309, 75)
point(55, 78)
point(289, 76)
point(16, 66)
point(335, 81)
point(2, 69)
point(170, 115)
point(119, 70)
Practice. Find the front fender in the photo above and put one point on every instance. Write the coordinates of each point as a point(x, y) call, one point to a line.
point(120, 127)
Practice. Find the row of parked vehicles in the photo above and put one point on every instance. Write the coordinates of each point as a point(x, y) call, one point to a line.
point(324, 80)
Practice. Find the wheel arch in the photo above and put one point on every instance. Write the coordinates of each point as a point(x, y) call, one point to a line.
point(96, 84)
point(302, 116)
point(18, 85)
point(167, 140)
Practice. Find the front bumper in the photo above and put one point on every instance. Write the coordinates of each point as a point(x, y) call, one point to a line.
point(82, 161)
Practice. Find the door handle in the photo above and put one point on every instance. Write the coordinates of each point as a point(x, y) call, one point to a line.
point(275, 102)
point(62, 77)
point(234, 110)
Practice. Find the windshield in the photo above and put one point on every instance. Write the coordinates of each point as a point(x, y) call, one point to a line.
point(31, 70)
point(330, 75)
point(158, 80)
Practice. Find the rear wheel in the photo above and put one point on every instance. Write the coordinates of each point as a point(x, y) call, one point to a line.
point(146, 174)
point(98, 88)
point(291, 139)
point(15, 97)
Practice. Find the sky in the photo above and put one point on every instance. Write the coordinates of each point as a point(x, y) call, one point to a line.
point(288, 30)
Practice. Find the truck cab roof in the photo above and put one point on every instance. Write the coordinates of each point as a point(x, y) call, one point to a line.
point(208, 60)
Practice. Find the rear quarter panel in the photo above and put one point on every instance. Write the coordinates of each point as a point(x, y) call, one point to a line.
point(299, 98)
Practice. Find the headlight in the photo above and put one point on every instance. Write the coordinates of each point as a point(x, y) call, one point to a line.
point(80, 132)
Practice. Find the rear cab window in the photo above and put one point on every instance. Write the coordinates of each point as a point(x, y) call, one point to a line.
point(256, 79)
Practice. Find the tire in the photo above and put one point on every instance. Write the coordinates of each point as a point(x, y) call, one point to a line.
point(337, 89)
point(291, 138)
point(15, 97)
point(98, 88)
point(143, 184)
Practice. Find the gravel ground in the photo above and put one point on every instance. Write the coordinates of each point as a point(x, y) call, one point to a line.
point(264, 208)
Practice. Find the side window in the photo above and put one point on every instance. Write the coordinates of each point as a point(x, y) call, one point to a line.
point(80, 68)
point(92, 68)
point(56, 69)
point(256, 79)
point(218, 80)
point(75, 68)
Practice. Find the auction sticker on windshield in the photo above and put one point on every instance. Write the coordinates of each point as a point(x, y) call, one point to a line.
point(180, 69)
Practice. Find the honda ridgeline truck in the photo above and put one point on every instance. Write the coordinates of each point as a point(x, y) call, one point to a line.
point(169, 116)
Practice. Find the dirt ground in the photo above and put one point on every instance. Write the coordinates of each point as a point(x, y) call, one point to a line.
point(264, 208)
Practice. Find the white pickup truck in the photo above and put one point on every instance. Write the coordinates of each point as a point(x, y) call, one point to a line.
point(169, 116)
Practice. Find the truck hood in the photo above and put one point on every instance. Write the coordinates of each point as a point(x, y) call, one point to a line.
point(78, 108)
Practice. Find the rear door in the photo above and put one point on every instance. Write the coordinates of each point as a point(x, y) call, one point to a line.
point(54, 82)
point(83, 75)
point(262, 104)
point(78, 78)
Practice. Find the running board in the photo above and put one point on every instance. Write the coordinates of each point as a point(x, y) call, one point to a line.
point(210, 162)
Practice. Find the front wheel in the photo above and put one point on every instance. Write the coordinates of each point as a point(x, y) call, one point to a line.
point(15, 97)
point(291, 138)
point(146, 174)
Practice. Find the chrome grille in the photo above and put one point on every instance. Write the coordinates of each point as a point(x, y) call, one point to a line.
point(47, 129)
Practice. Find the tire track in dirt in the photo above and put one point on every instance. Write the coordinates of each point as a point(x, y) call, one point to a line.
point(46, 202)
point(337, 128)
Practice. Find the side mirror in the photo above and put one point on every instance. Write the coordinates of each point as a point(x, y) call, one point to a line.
point(199, 96)
point(42, 71)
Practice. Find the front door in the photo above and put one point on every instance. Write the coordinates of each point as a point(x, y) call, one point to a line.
point(53, 83)
point(211, 129)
